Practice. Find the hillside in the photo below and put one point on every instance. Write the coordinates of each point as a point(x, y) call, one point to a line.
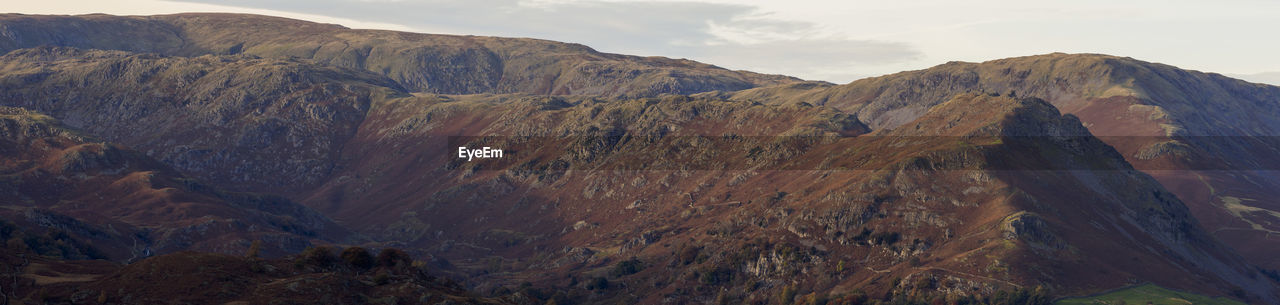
point(102, 201)
point(908, 214)
point(1208, 138)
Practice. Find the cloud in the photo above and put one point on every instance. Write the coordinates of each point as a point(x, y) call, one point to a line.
point(833, 60)
point(1270, 78)
point(730, 35)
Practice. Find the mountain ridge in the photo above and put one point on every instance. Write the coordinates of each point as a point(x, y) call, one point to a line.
point(421, 62)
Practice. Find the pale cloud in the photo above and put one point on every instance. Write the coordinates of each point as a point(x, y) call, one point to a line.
point(840, 59)
point(1272, 78)
point(753, 29)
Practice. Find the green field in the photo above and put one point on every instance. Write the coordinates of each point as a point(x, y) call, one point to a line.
point(1148, 294)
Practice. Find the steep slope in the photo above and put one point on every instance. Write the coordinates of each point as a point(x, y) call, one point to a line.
point(113, 203)
point(1208, 138)
point(419, 62)
point(1109, 198)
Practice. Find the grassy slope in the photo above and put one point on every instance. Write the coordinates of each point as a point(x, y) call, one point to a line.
point(1149, 294)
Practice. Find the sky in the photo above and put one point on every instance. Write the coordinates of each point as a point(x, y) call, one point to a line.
point(835, 41)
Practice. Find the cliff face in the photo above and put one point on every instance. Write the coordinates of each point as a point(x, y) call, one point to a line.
point(418, 62)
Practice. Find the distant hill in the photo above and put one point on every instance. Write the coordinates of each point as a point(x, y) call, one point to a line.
point(418, 62)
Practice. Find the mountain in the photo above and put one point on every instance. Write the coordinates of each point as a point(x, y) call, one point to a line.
point(629, 179)
point(419, 62)
point(1208, 138)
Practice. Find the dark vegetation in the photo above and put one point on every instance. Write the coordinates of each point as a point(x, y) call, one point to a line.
point(627, 267)
point(53, 243)
point(317, 275)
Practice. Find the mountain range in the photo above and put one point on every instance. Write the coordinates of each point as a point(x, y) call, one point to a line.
point(136, 140)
